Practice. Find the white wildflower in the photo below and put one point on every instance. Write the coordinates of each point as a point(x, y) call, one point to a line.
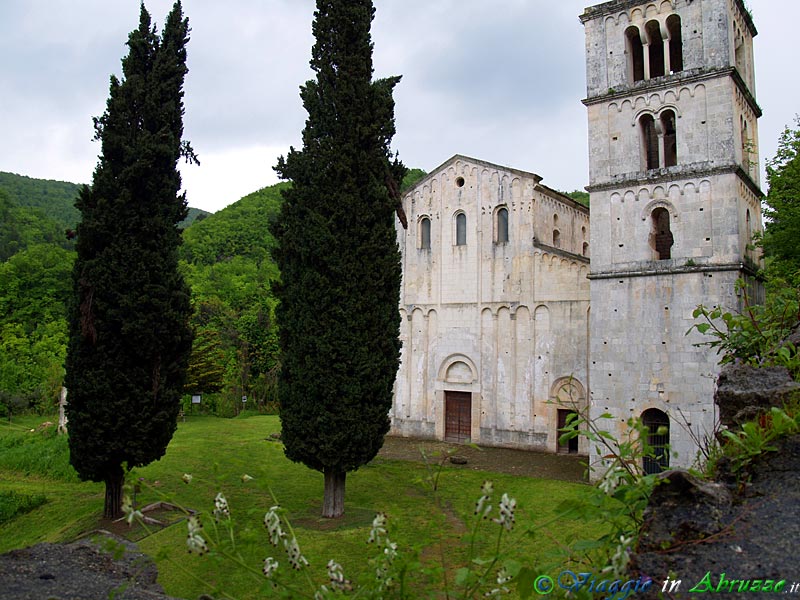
point(378, 530)
point(270, 566)
point(128, 511)
point(195, 541)
point(296, 559)
point(221, 507)
point(336, 575)
point(272, 521)
point(507, 507)
point(611, 479)
point(622, 555)
point(503, 577)
point(482, 507)
point(186, 478)
point(246, 478)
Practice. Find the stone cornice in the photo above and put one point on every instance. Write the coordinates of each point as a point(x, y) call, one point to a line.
point(654, 269)
point(673, 174)
point(673, 80)
point(559, 252)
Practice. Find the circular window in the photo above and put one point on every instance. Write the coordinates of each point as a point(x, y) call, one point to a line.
point(460, 182)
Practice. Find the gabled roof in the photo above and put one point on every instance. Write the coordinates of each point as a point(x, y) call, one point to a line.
point(537, 179)
point(476, 161)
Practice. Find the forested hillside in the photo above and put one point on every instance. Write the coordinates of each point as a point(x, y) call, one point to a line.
point(22, 228)
point(53, 202)
point(228, 264)
point(56, 199)
point(226, 259)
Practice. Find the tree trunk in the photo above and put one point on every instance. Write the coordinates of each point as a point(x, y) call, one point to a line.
point(333, 502)
point(113, 505)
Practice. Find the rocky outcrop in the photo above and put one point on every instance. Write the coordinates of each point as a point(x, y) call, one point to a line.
point(741, 527)
point(744, 391)
point(693, 528)
point(81, 570)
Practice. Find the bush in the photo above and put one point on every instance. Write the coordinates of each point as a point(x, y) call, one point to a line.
point(757, 335)
point(13, 504)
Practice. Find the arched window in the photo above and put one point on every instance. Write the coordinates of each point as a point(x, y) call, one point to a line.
point(661, 235)
point(670, 138)
point(739, 51)
point(556, 238)
point(635, 54)
point(425, 233)
point(461, 229)
point(675, 43)
point(655, 48)
point(659, 140)
point(657, 424)
point(649, 141)
point(586, 249)
point(502, 225)
point(749, 233)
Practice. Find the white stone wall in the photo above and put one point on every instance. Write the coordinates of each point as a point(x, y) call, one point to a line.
point(504, 321)
point(642, 302)
point(642, 358)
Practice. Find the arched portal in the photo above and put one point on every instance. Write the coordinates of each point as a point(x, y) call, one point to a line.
point(657, 424)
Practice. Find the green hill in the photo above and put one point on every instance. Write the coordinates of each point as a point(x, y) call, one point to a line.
point(22, 228)
point(239, 230)
point(56, 199)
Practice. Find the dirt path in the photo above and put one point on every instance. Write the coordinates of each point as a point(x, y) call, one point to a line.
point(502, 460)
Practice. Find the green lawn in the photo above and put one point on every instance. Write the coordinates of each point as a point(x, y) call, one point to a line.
point(217, 452)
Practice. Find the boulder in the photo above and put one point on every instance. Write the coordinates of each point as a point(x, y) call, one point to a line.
point(744, 392)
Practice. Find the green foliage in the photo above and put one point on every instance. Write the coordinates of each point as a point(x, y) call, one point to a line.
point(22, 228)
point(128, 320)
point(754, 438)
point(33, 287)
point(239, 230)
point(412, 177)
point(338, 254)
point(579, 196)
point(782, 207)
point(617, 500)
point(56, 199)
point(227, 261)
point(192, 215)
point(756, 335)
point(13, 503)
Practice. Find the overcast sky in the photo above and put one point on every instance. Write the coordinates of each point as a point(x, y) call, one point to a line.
point(500, 80)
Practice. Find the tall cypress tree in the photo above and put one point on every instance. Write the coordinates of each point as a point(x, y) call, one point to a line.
point(339, 259)
point(129, 334)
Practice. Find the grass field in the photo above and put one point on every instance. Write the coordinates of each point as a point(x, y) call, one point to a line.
point(217, 452)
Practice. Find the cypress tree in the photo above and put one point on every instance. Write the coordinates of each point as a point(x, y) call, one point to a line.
point(339, 259)
point(128, 319)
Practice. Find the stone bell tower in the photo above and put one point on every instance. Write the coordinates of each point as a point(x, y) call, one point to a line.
point(675, 201)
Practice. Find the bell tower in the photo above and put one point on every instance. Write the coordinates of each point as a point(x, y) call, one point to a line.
point(675, 201)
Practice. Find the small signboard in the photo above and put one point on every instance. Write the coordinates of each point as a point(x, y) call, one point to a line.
point(196, 399)
point(244, 399)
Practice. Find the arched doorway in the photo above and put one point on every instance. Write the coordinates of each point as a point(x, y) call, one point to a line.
point(657, 424)
point(569, 396)
point(458, 375)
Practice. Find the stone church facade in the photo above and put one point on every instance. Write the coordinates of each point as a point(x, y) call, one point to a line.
point(494, 306)
point(499, 342)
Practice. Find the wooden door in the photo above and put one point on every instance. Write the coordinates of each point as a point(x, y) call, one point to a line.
point(457, 416)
